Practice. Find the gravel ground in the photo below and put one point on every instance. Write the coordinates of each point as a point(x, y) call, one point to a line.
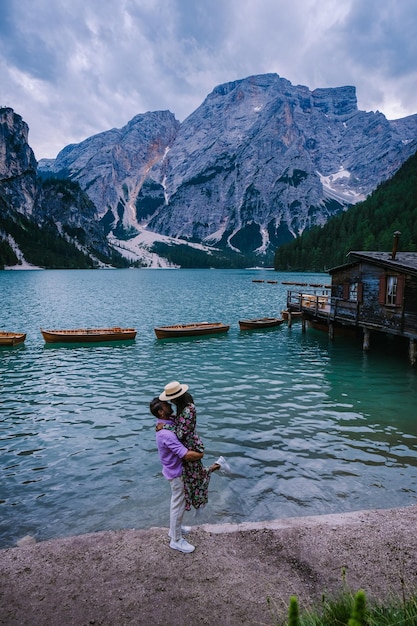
point(238, 574)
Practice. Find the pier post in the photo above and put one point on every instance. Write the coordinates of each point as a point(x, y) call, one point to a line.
point(303, 324)
point(412, 351)
point(289, 319)
point(366, 339)
point(331, 330)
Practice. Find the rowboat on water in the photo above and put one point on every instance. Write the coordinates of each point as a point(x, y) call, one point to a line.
point(261, 322)
point(88, 335)
point(285, 282)
point(338, 331)
point(11, 339)
point(190, 330)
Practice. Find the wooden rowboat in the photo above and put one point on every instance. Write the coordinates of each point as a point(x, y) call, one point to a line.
point(285, 282)
point(338, 331)
point(88, 335)
point(11, 339)
point(190, 330)
point(261, 322)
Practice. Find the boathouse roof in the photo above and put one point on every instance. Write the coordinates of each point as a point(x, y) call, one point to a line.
point(403, 262)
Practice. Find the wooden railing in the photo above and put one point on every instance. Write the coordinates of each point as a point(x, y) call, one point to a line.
point(298, 301)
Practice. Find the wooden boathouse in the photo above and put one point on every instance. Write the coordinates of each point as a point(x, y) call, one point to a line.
point(372, 292)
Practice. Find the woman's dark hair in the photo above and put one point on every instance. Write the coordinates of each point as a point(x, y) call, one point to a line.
point(182, 401)
point(155, 405)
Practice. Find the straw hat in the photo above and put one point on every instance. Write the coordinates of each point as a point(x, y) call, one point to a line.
point(173, 390)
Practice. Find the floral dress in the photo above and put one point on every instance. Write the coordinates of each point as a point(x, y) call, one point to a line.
point(196, 477)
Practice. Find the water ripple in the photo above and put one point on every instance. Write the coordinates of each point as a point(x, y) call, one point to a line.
point(308, 426)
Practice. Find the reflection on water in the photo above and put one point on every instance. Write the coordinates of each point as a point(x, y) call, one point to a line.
point(308, 426)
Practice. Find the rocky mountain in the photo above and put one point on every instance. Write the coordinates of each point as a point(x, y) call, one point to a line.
point(370, 225)
point(18, 166)
point(258, 163)
point(51, 224)
point(112, 166)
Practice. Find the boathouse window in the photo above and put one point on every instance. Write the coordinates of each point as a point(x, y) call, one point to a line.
point(391, 290)
point(353, 291)
point(392, 286)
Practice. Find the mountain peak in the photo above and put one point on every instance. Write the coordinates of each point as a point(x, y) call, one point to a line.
point(255, 165)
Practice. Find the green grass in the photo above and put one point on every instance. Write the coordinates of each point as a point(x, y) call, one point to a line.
point(353, 610)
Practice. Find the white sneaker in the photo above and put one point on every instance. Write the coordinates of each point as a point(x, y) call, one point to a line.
point(224, 465)
point(184, 530)
point(182, 545)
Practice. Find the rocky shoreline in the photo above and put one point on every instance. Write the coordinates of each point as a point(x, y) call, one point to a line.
point(238, 574)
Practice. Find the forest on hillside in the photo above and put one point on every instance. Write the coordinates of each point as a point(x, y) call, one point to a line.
point(368, 225)
point(46, 245)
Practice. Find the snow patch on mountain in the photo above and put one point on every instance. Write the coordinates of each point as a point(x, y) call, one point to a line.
point(139, 248)
point(22, 264)
point(337, 187)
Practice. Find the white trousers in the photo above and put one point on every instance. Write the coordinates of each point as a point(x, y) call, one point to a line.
point(177, 509)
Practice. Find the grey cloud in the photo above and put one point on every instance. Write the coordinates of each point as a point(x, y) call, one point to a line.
point(25, 49)
point(99, 63)
point(383, 35)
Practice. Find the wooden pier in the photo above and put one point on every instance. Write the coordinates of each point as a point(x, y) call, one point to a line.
point(373, 292)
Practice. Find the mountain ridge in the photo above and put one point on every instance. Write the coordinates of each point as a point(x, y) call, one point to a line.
point(257, 164)
point(369, 226)
point(51, 224)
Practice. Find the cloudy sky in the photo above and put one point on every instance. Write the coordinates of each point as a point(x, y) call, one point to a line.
point(73, 68)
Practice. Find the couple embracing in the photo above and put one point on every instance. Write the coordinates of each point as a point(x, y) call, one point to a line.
point(180, 452)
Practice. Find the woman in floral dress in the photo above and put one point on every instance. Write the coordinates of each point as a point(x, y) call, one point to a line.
point(196, 477)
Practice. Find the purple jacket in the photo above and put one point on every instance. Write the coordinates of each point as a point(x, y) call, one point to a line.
point(171, 452)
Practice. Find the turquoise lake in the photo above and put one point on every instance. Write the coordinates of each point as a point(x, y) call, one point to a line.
point(309, 426)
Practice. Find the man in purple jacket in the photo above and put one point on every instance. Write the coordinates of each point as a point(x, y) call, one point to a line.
point(171, 454)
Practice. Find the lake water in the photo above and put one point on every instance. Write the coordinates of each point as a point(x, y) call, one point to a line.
point(309, 426)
